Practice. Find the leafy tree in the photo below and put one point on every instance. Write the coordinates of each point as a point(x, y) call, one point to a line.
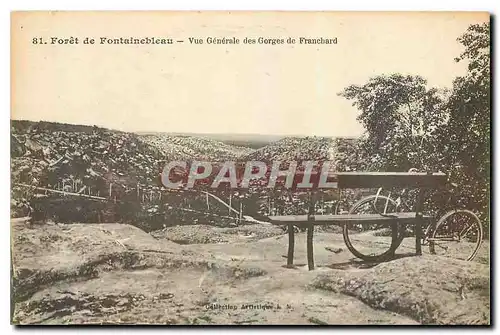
point(401, 117)
point(409, 125)
point(466, 136)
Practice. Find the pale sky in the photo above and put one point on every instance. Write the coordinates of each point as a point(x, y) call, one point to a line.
point(281, 89)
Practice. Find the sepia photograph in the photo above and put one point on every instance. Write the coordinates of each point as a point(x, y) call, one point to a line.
point(250, 168)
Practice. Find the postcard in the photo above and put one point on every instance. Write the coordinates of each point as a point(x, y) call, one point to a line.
point(250, 168)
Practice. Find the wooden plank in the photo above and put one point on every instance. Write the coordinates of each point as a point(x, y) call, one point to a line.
point(310, 248)
point(418, 224)
point(310, 232)
point(394, 237)
point(390, 179)
point(61, 192)
point(291, 245)
point(418, 237)
point(328, 217)
point(230, 209)
point(404, 217)
point(382, 220)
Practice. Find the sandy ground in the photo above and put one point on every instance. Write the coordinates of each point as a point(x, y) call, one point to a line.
point(115, 273)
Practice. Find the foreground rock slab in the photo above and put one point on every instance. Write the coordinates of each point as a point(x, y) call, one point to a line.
point(429, 289)
point(119, 274)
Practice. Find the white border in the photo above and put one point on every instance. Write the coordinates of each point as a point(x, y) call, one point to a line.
point(309, 5)
point(365, 5)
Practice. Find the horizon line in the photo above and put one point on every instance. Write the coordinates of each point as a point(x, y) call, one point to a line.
point(187, 132)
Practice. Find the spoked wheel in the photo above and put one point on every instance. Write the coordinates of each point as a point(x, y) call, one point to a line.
point(341, 207)
point(458, 234)
point(373, 241)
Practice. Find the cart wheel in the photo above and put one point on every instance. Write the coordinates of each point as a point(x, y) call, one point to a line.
point(373, 242)
point(458, 234)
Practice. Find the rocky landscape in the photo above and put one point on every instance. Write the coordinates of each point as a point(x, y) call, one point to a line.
point(117, 273)
point(113, 247)
point(125, 168)
point(190, 147)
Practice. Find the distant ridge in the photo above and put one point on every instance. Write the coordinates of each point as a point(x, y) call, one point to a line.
point(250, 140)
point(253, 141)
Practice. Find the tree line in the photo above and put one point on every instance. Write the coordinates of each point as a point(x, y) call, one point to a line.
point(409, 125)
